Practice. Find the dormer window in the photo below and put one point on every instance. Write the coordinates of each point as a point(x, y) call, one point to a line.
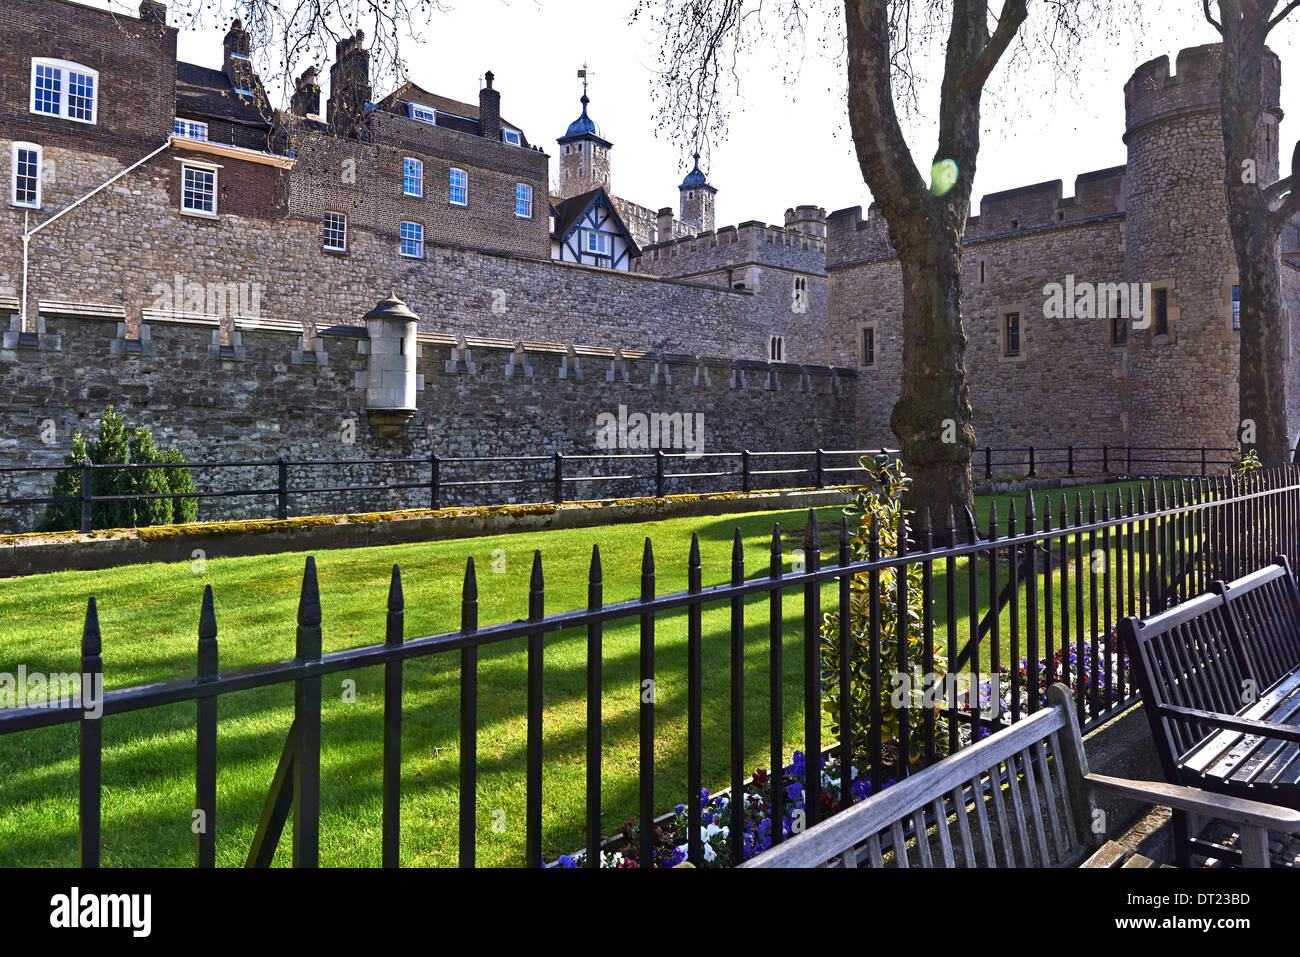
point(511, 136)
point(190, 129)
point(425, 114)
point(66, 90)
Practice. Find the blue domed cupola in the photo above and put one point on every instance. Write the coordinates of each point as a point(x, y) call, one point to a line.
point(696, 179)
point(583, 126)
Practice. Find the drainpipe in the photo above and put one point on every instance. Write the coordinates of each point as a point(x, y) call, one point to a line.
point(29, 233)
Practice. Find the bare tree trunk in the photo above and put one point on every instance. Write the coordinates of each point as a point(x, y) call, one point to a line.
point(932, 419)
point(1256, 217)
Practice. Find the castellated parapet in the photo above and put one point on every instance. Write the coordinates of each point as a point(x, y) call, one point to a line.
point(784, 269)
point(851, 238)
point(284, 392)
point(1153, 93)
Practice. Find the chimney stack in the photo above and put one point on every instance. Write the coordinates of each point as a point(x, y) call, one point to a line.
point(664, 232)
point(349, 86)
point(236, 64)
point(306, 94)
point(489, 109)
point(151, 11)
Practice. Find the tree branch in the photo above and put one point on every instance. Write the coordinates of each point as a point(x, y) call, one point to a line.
point(1205, 5)
point(1286, 11)
point(1285, 190)
point(1014, 13)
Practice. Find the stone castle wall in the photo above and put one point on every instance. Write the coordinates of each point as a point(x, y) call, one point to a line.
point(483, 399)
point(1160, 219)
point(784, 269)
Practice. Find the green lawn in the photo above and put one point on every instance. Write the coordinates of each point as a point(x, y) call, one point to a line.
point(149, 619)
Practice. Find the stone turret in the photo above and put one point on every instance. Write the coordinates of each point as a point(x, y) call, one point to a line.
point(1178, 377)
point(807, 219)
point(391, 380)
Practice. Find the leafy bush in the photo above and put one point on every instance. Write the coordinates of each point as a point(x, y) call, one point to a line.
point(1245, 462)
point(117, 446)
point(877, 512)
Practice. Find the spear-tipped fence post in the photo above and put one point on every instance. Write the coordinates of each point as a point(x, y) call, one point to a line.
point(306, 707)
point(394, 635)
point(90, 764)
point(205, 756)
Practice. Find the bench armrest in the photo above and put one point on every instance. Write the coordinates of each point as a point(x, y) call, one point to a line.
point(1195, 801)
point(1265, 729)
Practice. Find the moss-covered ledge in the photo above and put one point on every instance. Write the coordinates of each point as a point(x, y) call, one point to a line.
point(36, 553)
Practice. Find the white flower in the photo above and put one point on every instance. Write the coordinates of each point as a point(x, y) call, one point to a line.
point(709, 853)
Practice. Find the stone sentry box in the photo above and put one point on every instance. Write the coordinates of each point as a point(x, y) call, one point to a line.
point(391, 380)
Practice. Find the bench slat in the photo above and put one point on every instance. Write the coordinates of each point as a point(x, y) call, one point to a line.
point(1054, 819)
point(922, 837)
point(1067, 809)
point(1000, 810)
point(982, 816)
point(945, 838)
point(873, 851)
point(963, 826)
point(1035, 808)
point(900, 844)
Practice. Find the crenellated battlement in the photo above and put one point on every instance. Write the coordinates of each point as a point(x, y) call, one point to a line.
point(748, 242)
point(250, 348)
point(1154, 92)
point(852, 238)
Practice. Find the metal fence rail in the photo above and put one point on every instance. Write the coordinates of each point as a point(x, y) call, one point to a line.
point(1171, 539)
point(303, 487)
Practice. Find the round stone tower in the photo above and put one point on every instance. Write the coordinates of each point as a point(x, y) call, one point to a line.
point(1177, 368)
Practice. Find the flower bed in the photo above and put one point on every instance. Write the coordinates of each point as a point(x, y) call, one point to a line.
point(671, 837)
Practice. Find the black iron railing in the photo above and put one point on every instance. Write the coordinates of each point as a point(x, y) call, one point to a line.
point(322, 486)
point(1067, 587)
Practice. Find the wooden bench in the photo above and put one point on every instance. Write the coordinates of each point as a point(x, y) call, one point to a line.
point(1220, 682)
point(1022, 797)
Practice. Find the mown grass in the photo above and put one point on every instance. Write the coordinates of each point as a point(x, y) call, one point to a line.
point(149, 618)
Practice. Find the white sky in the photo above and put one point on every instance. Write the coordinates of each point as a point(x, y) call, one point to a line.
point(788, 141)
